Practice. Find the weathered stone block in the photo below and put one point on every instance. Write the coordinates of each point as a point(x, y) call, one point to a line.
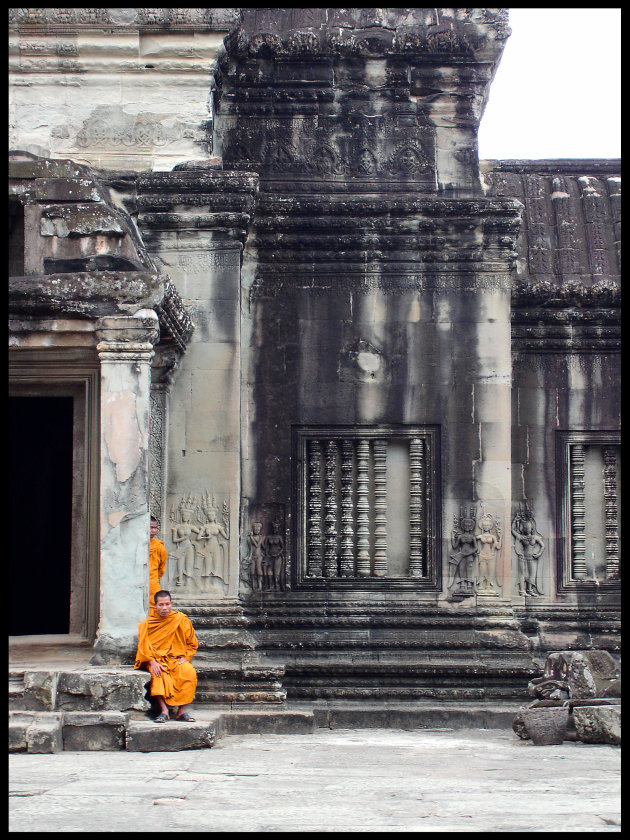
point(35, 733)
point(147, 736)
point(544, 725)
point(19, 723)
point(94, 730)
point(592, 673)
point(100, 690)
point(598, 724)
point(40, 689)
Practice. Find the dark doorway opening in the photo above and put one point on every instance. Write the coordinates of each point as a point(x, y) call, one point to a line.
point(40, 514)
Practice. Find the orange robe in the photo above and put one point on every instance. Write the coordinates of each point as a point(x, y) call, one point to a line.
point(157, 566)
point(165, 640)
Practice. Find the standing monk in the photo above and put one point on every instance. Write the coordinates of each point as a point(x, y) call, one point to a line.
point(166, 644)
point(157, 564)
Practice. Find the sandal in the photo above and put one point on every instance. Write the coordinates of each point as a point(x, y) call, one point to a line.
point(186, 718)
point(161, 718)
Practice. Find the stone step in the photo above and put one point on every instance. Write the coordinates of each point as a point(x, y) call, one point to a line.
point(242, 682)
point(90, 689)
point(35, 732)
point(172, 736)
point(51, 732)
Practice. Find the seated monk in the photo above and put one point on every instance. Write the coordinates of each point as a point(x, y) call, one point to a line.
point(166, 644)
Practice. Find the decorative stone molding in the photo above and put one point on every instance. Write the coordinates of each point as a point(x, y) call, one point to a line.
point(604, 293)
point(369, 33)
point(175, 323)
point(124, 338)
point(177, 201)
point(171, 19)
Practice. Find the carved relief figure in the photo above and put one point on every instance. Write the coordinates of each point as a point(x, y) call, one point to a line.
point(256, 542)
point(213, 538)
point(274, 546)
point(488, 547)
point(181, 535)
point(529, 546)
point(462, 562)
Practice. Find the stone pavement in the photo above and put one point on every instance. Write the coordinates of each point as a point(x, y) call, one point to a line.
point(330, 780)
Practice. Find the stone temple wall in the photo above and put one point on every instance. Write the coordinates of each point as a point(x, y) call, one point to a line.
point(389, 446)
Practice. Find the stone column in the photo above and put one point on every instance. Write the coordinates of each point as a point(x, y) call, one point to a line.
point(125, 349)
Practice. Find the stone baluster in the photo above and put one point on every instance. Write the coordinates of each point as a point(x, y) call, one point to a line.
point(363, 509)
point(380, 508)
point(613, 570)
point(416, 507)
point(578, 513)
point(314, 557)
point(347, 512)
point(330, 549)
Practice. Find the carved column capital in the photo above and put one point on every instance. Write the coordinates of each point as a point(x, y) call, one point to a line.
point(127, 337)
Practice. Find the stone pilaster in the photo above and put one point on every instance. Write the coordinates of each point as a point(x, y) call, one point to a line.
point(125, 350)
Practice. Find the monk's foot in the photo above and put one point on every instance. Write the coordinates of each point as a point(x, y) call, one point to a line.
point(185, 717)
point(161, 718)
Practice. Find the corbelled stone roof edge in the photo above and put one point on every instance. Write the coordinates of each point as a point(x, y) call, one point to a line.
point(73, 201)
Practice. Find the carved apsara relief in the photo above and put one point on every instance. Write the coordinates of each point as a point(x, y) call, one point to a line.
point(461, 563)
point(474, 562)
point(200, 535)
point(264, 558)
point(528, 546)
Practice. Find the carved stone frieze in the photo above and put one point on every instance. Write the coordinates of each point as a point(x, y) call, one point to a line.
point(366, 32)
point(604, 293)
point(125, 18)
point(130, 133)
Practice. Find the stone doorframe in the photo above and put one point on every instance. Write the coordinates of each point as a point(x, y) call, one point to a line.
point(59, 373)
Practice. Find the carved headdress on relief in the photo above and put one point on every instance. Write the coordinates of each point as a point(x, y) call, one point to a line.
point(188, 505)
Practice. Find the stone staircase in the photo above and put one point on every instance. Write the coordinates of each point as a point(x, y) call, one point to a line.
point(393, 652)
point(229, 667)
point(291, 664)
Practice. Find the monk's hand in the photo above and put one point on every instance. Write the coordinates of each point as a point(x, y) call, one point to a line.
point(182, 659)
point(155, 668)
